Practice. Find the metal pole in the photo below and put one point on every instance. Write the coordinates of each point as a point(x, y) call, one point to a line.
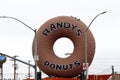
point(1, 71)
point(15, 67)
point(35, 54)
point(28, 69)
point(86, 42)
point(35, 46)
point(17, 59)
point(94, 19)
point(18, 21)
point(113, 70)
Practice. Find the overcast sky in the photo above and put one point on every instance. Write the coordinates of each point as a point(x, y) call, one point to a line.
point(16, 39)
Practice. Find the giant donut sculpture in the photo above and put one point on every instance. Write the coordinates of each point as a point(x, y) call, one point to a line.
point(58, 27)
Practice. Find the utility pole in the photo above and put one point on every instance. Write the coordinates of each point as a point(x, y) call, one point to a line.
point(112, 70)
point(15, 67)
point(28, 69)
point(113, 77)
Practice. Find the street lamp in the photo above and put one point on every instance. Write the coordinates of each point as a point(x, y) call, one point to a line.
point(35, 45)
point(86, 41)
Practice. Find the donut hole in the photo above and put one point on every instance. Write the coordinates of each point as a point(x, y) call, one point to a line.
point(63, 47)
